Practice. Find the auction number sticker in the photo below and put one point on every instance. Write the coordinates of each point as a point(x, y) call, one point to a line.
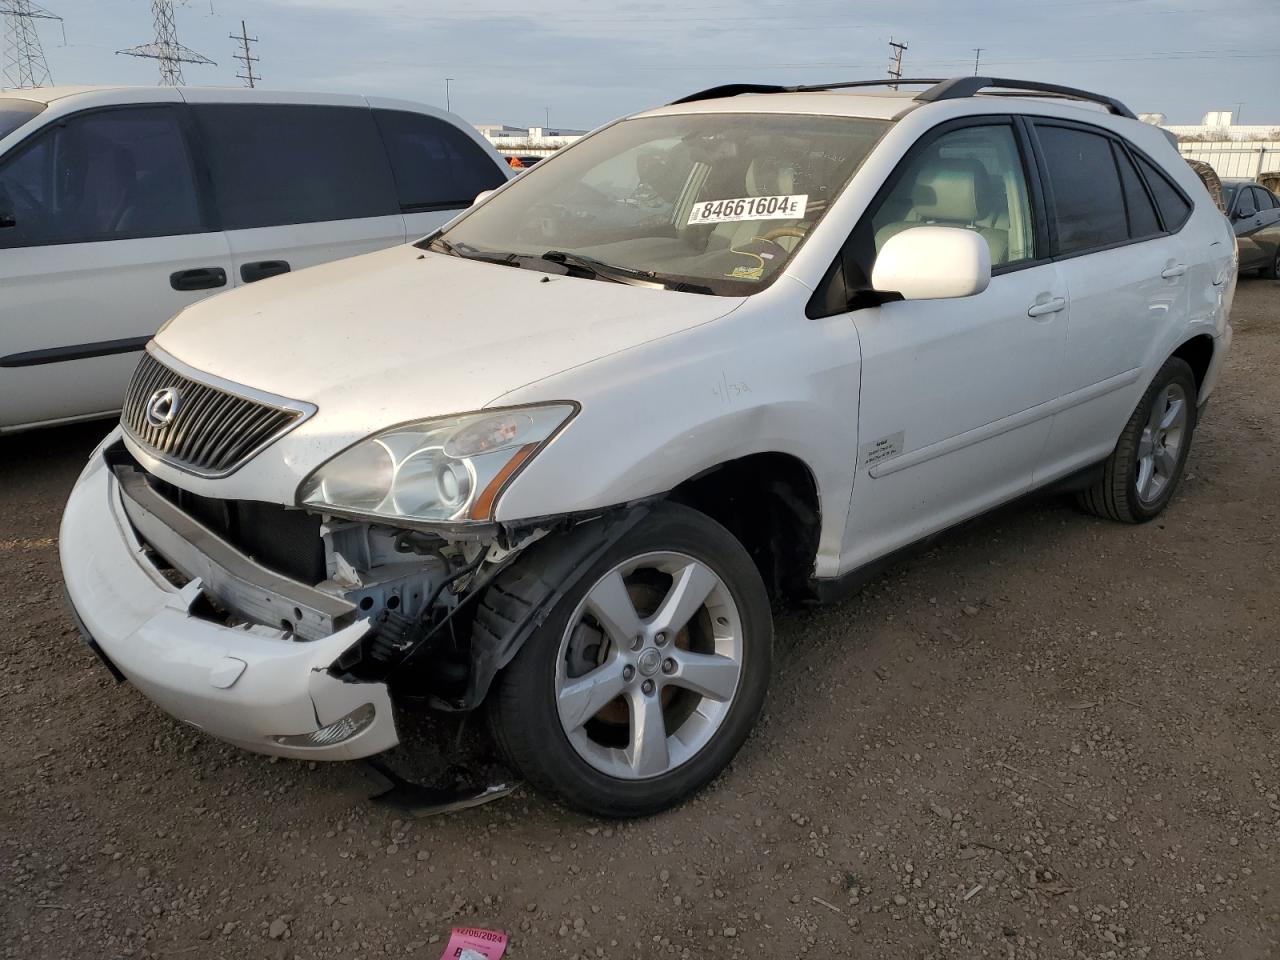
point(749, 208)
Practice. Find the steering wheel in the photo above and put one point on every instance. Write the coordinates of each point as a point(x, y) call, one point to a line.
point(780, 232)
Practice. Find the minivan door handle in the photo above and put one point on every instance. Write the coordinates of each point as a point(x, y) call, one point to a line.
point(1173, 271)
point(1042, 308)
point(200, 278)
point(253, 272)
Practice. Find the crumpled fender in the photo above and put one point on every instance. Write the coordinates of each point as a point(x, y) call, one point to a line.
point(521, 597)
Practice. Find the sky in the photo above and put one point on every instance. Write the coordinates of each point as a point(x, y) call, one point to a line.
point(585, 62)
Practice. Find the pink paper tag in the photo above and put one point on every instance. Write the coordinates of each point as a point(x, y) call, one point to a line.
point(468, 943)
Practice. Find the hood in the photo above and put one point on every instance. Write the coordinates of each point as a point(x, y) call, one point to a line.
point(404, 334)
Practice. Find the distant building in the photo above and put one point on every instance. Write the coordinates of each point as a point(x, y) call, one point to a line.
point(1216, 125)
point(528, 141)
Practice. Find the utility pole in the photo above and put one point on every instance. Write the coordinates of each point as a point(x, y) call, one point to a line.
point(247, 57)
point(895, 64)
point(548, 109)
point(166, 49)
point(24, 64)
point(448, 104)
point(977, 58)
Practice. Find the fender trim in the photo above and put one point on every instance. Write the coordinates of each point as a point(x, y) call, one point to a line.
point(519, 598)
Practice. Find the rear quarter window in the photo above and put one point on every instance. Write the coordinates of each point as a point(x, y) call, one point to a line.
point(15, 112)
point(1173, 205)
point(436, 165)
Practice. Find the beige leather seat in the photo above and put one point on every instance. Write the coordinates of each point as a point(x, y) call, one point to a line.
point(765, 178)
point(955, 193)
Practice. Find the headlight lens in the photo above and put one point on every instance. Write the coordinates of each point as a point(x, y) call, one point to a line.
point(448, 469)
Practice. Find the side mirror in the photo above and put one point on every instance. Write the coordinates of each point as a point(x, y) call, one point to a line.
point(481, 197)
point(933, 263)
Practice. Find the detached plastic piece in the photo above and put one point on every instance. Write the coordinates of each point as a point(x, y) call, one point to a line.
point(417, 800)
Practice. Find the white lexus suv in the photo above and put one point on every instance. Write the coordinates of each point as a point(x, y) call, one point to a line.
point(560, 457)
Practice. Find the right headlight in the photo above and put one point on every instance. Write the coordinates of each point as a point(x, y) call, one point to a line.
point(449, 469)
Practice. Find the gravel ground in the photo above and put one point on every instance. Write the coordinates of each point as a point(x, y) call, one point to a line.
point(1049, 736)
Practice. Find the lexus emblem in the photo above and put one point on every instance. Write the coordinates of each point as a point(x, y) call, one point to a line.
point(163, 407)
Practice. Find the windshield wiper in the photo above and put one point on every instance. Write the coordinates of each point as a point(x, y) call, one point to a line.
point(616, 274)
point(598, 268)
point(468, 252)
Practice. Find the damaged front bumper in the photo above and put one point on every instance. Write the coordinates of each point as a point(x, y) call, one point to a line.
point(255, 686)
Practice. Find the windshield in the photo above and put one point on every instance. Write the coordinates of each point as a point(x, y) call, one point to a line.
point(14, 113)
point(716, 203)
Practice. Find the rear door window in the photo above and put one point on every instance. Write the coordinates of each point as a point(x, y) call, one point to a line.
point(280, 164)
point(1088, 201)
point(436, 165)
point(1174, 208)
point(1143, 221)
point(113, 174)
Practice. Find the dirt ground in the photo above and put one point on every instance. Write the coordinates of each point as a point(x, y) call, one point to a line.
point(1049, 736)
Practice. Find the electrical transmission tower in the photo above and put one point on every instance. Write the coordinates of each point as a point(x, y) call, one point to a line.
point(24, 63)
point(171, 54)
point(895, 64)
point(247, 57)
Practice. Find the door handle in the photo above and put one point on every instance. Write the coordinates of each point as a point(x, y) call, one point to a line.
point(201, 278)
point(253, 272)
point(1043, 309)
point(1173, 271)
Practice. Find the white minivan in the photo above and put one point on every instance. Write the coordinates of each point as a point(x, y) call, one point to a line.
point(119, 207)
point(767, 338)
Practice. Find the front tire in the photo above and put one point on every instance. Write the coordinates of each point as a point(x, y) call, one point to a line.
point(647, 675)
point(1272, 272)
point(1142, 473)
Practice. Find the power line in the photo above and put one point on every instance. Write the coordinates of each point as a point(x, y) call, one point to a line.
point(247, 57)
point(166, 49)
point(24, 64)
point(895, 65)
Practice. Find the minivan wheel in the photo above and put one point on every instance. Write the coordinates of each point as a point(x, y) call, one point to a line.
point(1143, 471)
point(648, 674)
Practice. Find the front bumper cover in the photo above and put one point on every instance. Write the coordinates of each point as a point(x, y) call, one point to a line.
point(242, 685)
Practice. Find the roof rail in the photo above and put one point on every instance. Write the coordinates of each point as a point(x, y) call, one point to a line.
point(961, 87)
point(954, 89)
point(737, 89)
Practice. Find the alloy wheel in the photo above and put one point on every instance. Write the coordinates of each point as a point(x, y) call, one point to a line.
point(648, 665)
point(1160, 445)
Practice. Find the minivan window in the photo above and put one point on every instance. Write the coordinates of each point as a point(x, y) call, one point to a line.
point(279, 164)
point(114, 174)
point(436, 165)
point(1143, 221)
point(15, 112)
point(1174, 208)
point(719, 202)
point(1088, 203)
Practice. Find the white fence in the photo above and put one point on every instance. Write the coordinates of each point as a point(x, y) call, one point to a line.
point(1235, 159)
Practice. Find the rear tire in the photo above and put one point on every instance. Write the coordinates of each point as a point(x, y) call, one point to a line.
point(616, 715)
point(1142, 473)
